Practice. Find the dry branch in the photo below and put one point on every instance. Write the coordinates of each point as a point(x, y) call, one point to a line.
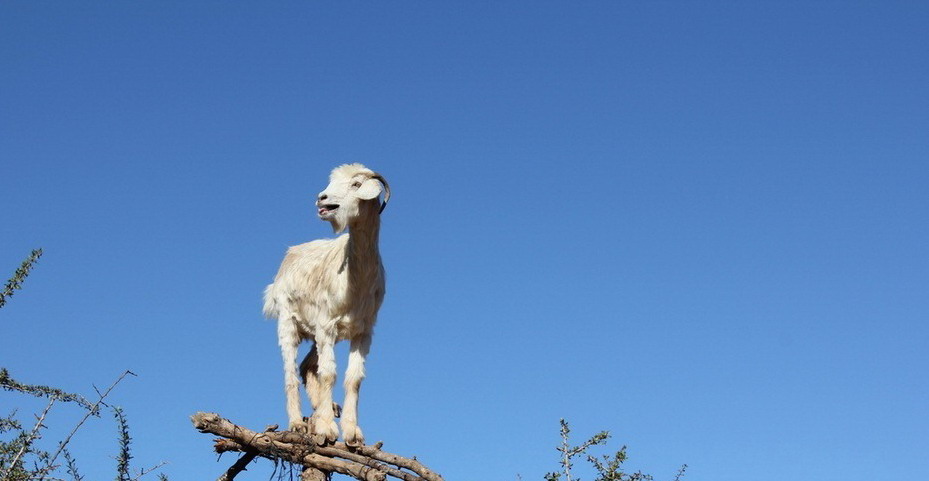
point(365, 463)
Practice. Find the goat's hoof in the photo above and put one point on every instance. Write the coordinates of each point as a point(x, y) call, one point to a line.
point(324, 440)
point(353, 436)
point(299, 427)
point(325, 432)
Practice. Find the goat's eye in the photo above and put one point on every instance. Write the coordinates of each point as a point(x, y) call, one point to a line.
point(356, 184)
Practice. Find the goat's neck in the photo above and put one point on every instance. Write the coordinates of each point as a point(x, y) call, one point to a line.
point(362, 250)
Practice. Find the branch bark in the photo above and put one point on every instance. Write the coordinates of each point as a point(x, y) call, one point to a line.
point(365, 463)
point(241, 464)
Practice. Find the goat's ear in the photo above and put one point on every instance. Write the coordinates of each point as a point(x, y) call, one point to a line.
point(370, 189)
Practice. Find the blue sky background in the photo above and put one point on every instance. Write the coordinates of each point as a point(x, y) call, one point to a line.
point(703, 226)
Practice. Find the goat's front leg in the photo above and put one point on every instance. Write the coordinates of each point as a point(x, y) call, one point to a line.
point(324, 426)
point(354, 374)
point(289, 339)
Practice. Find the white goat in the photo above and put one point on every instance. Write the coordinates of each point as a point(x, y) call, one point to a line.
point(330, 290)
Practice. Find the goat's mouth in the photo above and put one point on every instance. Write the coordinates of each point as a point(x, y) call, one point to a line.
point(326, 211)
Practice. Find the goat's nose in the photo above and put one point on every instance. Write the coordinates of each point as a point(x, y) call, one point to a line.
point(322, 197)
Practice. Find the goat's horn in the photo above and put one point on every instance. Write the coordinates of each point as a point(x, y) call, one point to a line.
point(386, 191)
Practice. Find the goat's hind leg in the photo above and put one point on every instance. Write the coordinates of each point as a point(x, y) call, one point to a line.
point(308, 371)
point(288, 340)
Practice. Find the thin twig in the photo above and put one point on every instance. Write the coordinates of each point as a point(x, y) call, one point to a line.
point(16, 282)
point(143, 472)
point(72, 466)
point(8, 383)
point(125, 441)
point(94, 409)
point(33, 435)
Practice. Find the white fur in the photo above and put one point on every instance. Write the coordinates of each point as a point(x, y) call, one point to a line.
point(327, 291)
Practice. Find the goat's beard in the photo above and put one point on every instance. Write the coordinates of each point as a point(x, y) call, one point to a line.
point(338, 224)
point(339, 221)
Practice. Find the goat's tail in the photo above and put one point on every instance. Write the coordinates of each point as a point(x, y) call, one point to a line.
point(271, 307)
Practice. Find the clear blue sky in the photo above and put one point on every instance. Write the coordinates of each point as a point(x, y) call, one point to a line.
point(703, 226)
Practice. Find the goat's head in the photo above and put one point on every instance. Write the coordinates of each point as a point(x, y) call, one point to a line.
point(352, 193)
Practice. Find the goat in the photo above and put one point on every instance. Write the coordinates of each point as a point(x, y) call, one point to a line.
point(330, 290)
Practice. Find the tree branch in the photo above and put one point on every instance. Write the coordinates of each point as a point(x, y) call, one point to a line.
point(32, 436)
point(7, 383)
point(365, 463)
point(94, 409)
point(242, 462)
point(16, 282)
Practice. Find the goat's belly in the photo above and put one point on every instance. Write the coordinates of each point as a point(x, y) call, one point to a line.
point(343, 328)
point(347, 328)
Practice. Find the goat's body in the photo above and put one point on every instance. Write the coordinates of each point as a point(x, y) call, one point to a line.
point(319, 288)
